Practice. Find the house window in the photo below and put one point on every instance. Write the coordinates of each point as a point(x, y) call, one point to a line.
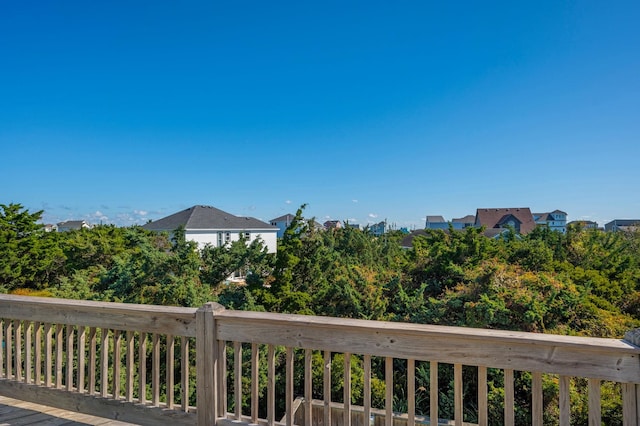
point(227, 237)
point(219, 239)
point(247, 236)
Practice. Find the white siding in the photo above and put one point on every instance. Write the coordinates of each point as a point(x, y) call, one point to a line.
point(210, 236)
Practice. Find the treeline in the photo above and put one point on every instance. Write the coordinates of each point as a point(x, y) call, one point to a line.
point(584, 282)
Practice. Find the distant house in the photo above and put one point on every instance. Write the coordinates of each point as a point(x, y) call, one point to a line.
point(439, 222)
point(378, 229)
point(463, 222)
point(584, 224)
point(282, 223)
point(436, 222)
point(622, 225)
point(71, 225)
point(333, 224)
point(50, 227)
point(555, 220)
point(519, 218)
point(209, 225)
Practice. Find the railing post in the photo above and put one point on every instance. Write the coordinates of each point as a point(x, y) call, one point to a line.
point(631, 391)
point(207, 363)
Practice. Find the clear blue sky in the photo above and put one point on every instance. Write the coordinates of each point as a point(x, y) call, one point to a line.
point(125, 111)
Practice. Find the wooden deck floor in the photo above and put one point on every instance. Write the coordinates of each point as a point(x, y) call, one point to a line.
point(16, 412)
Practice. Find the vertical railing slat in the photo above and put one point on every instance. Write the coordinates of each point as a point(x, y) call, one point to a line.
point(289, 386)
point(308, 387)
point(69, 365)
point(8, 341)
point(92, 371)
point(28, 352)
point(170, 370)
point(142, 369)
point(327, 387)
point(595, 411)
point(48, 354)
point(388, 396)
point(367, 388)
point(271, 385)
point(130, 366)
point(59, 354)
point(411, 392)
point(82, 337)
point(17, 326)
point(184, 374)
point(2, 369)
point(433, 392)
point(155, 370)
point(347, 390)
point(536, 398)
point(104, 362)
point(117, 364)
point(483, 397)
point(457, 393)
point(629, 405)
point(237, 391)
point(222, 378)
point(255, 382)
point(509, 414)
point(37, 356)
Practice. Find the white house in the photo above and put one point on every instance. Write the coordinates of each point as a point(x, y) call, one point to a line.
point(282, 223)
point(71, 225)
point(208, 225)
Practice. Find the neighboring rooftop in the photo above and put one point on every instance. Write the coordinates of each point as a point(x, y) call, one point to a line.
point(205, 217)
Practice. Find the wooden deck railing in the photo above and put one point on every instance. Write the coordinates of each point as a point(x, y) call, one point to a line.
point(155, 364)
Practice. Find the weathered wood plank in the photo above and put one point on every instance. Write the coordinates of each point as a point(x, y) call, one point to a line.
point(411, 392)
point(457, 394)
point(483, 397)
point(346, 418)
point(536, 397)
point(327, 387)
point(433, 391)
point(170, 370)
point(509, 407)
point(607, 359)
point(237, 391)
point(114, 316)
point(595, 410)
point(388, 395)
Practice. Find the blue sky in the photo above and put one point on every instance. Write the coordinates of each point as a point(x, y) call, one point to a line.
point(126, 111)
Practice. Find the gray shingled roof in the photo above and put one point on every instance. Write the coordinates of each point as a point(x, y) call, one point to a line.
point(206, 217)
point(286, 218)
point(435, 219)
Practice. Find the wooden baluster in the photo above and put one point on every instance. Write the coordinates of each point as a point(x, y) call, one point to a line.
point(2, 369)
point(433, 392)
point(629, 405)
point(17, 326)
point(327, 388)
point(308, 387)
point(142, 369)
point(457, 393)
point(289, 386)
point(170, 367)
point(237, 391)
point(69, 365)
point(184, 388)
point(388, 397)
point(82, 343)
point(347, 390)
point(367, 389)
point(92, 360)
point(483, 397)
point(117, 364)
point(37, 358)
point(509, 415)
point(104, 362)
point(536, 398)
point(59, 355)
point(595, 411)
point(8, 338)
point(411, 392)
point(28, 352)
point(48, 354)
point(155, 370)
point(565, 407)
point(255, 382)
point(222, 377)
point(271, 386)
point(131, 366)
